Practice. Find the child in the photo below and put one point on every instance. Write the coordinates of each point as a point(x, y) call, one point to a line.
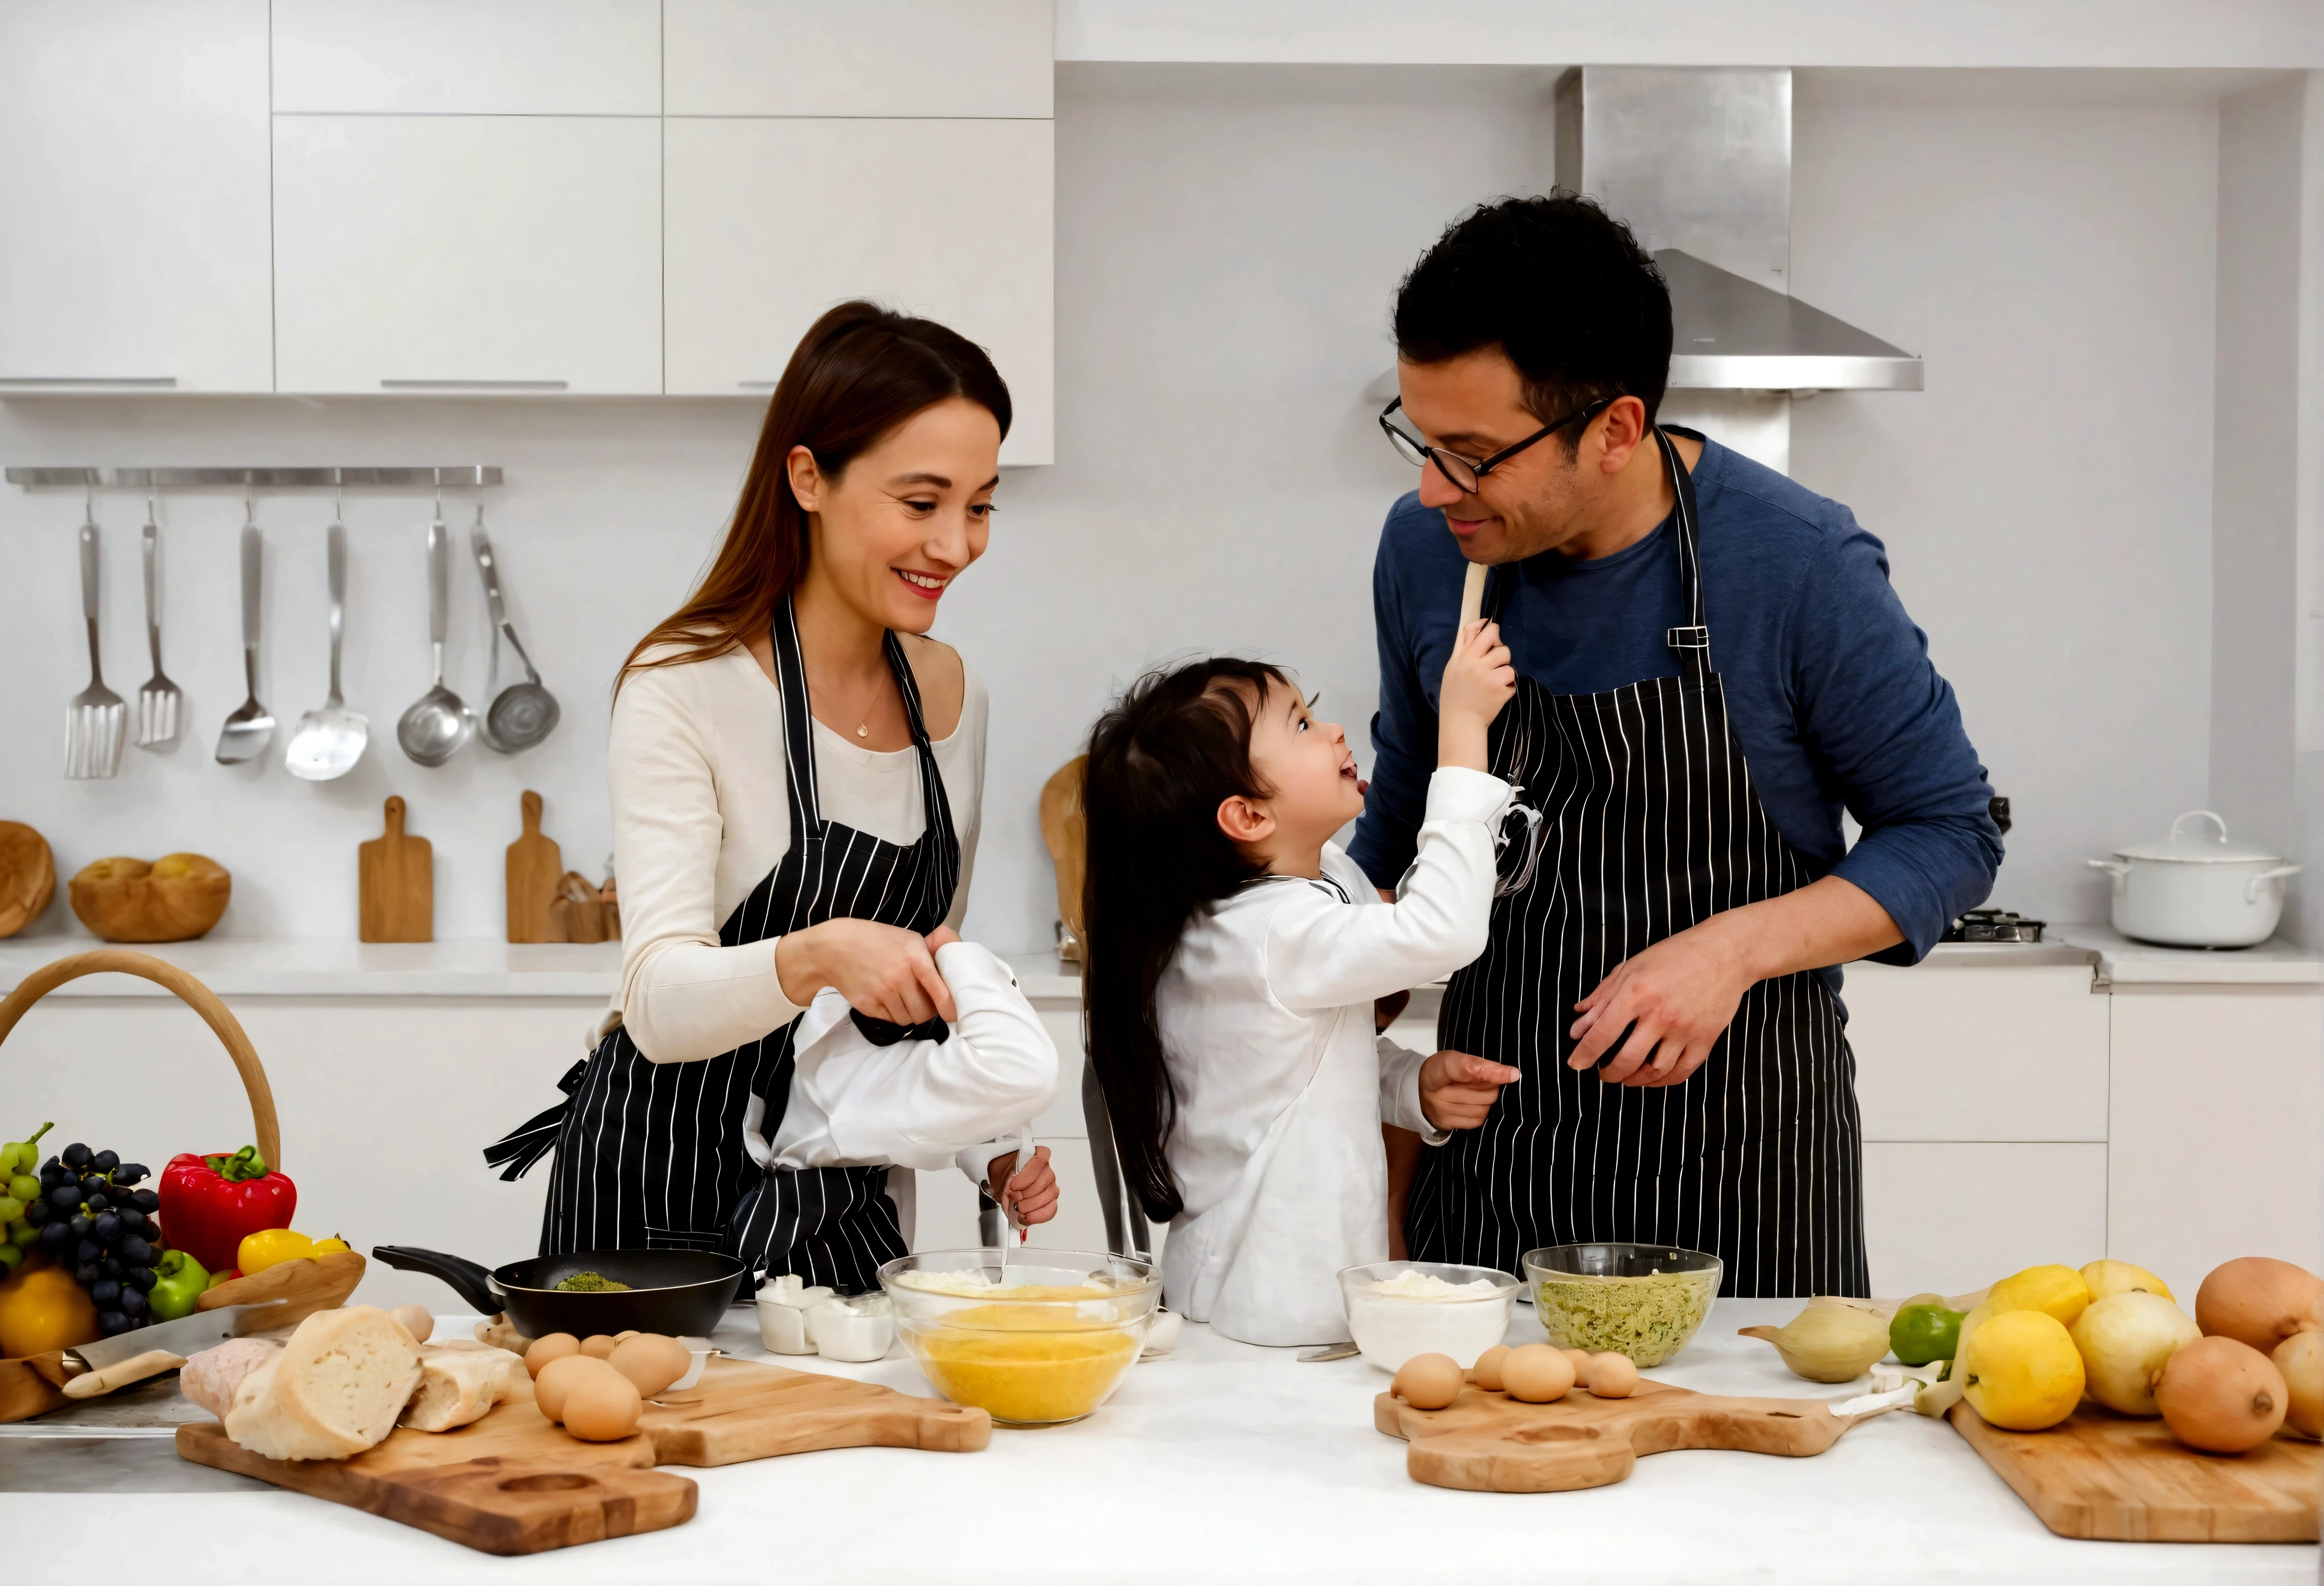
point(1234, 953)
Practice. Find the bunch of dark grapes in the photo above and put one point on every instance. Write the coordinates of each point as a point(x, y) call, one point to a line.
point(101, 1228)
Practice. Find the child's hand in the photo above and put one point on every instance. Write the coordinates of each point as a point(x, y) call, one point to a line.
point(1457, 1091)
point(1479, 680)
point(1033, 1192)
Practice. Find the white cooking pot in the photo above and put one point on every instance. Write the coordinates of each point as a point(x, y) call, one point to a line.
point(2196, 888)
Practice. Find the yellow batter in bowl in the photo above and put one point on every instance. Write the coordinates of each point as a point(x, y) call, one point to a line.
point(1025, 1364)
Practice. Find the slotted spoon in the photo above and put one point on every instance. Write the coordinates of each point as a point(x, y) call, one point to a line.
point(96, 720)
point(159, 701)
point(329, 741)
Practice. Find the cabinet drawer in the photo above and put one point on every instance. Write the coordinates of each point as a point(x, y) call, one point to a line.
point(133, 181)
point(1952, 1218)
point(770, 222)
point(867, 58)
point(458, 57)
point(471, 252)
point(1945, 1053)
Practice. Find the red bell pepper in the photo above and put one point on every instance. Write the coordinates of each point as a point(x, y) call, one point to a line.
point(208, 1203)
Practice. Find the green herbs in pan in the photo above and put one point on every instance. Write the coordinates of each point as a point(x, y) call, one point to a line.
point(1648, 1319)
point(590, 1283)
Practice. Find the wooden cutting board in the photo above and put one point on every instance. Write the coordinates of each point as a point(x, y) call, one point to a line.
point(2108, 1478)
point(396, 883)
point(1485, 1442)
point(513, 1482)
point(1064, 830)
point(534, 864)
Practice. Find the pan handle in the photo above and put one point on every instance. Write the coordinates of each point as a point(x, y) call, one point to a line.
point(471, 1282)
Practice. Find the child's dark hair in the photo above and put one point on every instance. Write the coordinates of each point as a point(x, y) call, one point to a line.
point(1170, 751)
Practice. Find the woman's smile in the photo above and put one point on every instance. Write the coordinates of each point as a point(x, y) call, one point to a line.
point(926, 585)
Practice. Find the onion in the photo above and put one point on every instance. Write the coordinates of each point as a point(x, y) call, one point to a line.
point(2260, 1302)
point(2125, 1338)
point(2300, 1358)
point(2221, 1395)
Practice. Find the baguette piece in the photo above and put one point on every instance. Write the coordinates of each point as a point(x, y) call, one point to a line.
point(456, 1385)
point(335, 1389)
point(212, 1378)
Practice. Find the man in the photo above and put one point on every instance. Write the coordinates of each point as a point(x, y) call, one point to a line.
point(1711, 666)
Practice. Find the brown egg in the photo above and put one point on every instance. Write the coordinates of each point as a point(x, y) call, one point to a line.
point(1487, 1372)
point(557, 1379)
point(1612, 1376)
point(1537, 1374)
point(598, 1346)
point(602, 1406)
point(625, 1336)
point(554, 1347)
point(1428, 1382)
point(1580, 1359)
point(652, 1361)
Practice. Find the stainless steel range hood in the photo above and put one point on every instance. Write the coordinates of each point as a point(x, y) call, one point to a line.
point(1730, 333)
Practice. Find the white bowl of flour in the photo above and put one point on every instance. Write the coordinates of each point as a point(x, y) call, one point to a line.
point(1399, 1309)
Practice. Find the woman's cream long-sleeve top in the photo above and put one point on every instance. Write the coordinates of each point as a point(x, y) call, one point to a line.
point(701, 815)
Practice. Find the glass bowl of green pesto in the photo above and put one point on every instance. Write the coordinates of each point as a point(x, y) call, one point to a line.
point(1643, 1300)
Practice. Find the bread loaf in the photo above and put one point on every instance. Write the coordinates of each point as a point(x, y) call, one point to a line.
point(456, 1385)
point(212, 1378)
point(335, 1389)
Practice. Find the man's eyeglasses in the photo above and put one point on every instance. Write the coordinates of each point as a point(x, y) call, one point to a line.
point(1462, 472)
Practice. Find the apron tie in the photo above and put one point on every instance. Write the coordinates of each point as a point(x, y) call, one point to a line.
point(535, 1137)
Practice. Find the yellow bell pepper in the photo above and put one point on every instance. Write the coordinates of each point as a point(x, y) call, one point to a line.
point(333, 1246)
point(271, 1247)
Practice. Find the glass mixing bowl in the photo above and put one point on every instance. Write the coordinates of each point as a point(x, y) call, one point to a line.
point(1047, 1349)
point(1392, 1328)
point(1643, 1300)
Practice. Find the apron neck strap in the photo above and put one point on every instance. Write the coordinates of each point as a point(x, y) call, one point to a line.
point(798, 719)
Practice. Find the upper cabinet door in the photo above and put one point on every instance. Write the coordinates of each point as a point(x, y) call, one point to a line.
point(980, 58)
point(132, 181)
point(460, 57)
point(417, 252)
point(770, 222)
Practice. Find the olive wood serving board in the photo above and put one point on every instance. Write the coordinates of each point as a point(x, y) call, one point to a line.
point(2101, 1477)
point(534, 865)
point(1487, 1442)
point(514, 1482)
point(395, 875)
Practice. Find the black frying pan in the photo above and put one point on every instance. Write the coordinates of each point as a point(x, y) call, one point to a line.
point(675, 1292)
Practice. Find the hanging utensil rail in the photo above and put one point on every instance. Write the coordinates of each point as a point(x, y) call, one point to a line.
point(466, 476)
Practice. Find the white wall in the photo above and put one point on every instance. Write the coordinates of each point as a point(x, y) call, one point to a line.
point(2046, 501)
point(1228, 243)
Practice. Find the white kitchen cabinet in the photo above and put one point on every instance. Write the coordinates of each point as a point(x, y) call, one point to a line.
point(1956, 1216)
point(1947, 1051)
point(481, 252)
point(770, 222)
point(134, 180)
point(458, 57)
point(976, 57)
point(2218, 1129)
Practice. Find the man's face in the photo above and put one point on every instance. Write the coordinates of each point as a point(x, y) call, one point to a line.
point(1473, 406)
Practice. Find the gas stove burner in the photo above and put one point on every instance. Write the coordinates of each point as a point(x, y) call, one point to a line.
point(1995, 925)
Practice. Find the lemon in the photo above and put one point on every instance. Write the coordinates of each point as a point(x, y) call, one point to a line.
point(2022, 1371)
point(2055, 1291)
point(2112, 1278)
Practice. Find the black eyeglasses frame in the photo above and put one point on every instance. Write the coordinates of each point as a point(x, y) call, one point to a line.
point(1401, 440)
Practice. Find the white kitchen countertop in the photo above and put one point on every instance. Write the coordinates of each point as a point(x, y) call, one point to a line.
point(249, 967)
point(1229, 1464)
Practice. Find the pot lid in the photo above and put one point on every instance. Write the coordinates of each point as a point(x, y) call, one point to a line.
point(2200, 837)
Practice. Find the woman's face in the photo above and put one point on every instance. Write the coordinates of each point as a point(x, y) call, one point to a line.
point(907, 517)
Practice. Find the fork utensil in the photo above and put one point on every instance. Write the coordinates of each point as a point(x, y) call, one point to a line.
point(158, 702)
point(95, 721)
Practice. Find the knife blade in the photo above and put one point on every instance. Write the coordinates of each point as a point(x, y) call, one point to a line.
point(188, 1335)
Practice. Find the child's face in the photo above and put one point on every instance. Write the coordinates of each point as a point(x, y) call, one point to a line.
point(1310, 767)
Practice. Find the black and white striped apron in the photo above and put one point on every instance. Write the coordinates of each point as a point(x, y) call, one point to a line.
point(654, 1155)
point(1649, 826)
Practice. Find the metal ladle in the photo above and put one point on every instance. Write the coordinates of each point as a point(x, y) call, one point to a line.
point(438, 726)
point(329, 741)
point(521, 715)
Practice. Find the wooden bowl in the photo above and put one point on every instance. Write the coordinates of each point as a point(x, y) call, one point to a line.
point(175, 899)
point(28, 876)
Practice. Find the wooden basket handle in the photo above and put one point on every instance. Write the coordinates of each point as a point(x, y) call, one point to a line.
point(189, 991)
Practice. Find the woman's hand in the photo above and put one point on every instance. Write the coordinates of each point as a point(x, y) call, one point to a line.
point(1479, 680)
point(1034, 1191)
point(884, 971)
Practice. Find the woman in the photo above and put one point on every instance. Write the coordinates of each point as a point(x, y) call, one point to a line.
point(796, 774)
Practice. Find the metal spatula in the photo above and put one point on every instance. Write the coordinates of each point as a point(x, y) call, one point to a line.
point(250, 728)
point(96, 720)
point(158, 701)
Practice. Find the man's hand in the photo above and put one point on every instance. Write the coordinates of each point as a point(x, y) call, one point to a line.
point(1033, 1192)
point(1457, 1091)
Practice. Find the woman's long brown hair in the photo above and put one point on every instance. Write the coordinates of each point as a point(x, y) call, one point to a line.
point(858, 373)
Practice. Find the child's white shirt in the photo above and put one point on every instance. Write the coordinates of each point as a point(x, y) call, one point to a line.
point(1265, 1017)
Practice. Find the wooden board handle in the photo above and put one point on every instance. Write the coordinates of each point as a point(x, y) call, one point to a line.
point(394, 829)
point(189, 991)
point(1472, 592)
point(531, 804)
